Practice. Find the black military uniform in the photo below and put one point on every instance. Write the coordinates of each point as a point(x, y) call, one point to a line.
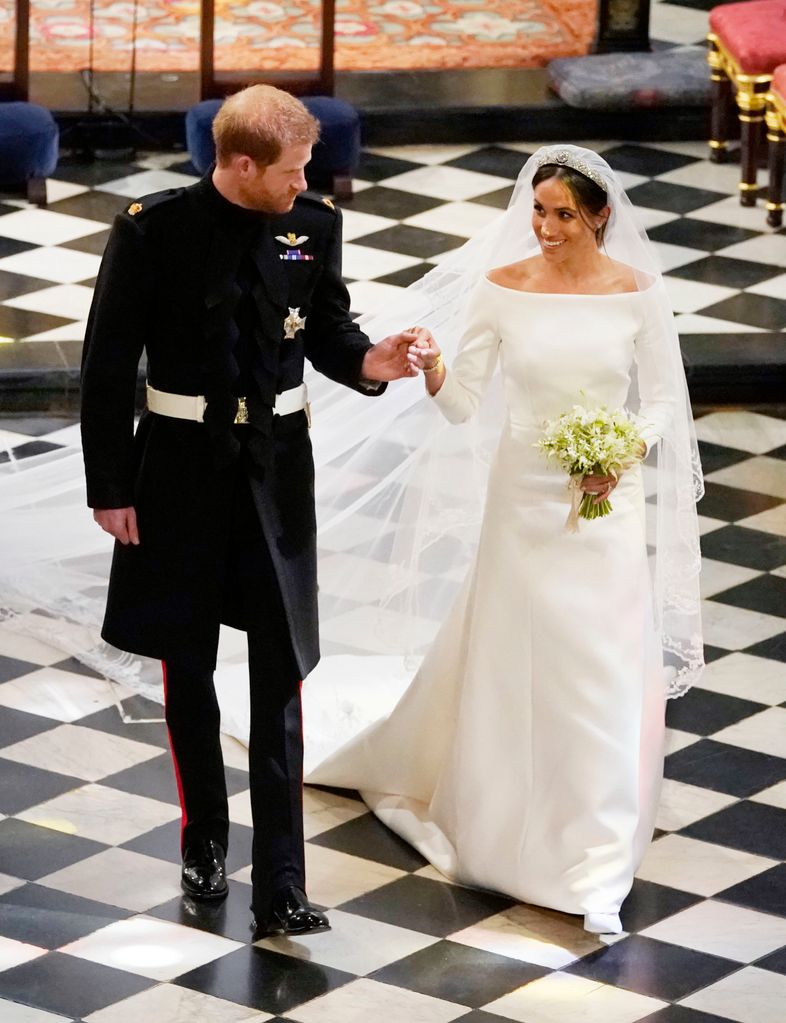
point(227, 303)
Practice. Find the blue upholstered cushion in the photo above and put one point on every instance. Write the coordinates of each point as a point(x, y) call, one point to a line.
point(623, 81)
point(28, 142)
point(337, 152)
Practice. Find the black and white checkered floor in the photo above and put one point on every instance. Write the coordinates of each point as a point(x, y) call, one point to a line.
point(92, 925)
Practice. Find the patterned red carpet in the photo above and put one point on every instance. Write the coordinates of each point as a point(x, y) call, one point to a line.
point(370, 34)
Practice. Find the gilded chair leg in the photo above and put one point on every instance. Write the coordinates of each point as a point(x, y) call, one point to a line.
point(720, 117)
point(750, 131)
point(776, 162)
point(36, 191)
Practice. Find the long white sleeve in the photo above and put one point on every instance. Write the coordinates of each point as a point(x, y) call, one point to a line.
point(656, 378)
point(476, 358)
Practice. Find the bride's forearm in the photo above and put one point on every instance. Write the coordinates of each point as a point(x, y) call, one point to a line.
point(435, 376)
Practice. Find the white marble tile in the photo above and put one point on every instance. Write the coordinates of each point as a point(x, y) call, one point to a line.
point(119, 877)
point(708, 525)
point(676, 740)
point(720, 929)
point(355, 224)
point(695, 323)
point(673, 24)
point(461, 218)
point(531, 935)
point(750, 678)
point(42, 227)
point(629, 180)
point(15, 1012)
point(697, 149)
point(562, 998)
point(689, 296)
point(378, 630)
point(717, 576)
point(671, 256)
point(235, 753)
point(681, 804)
point(369, 296)
point(355, 944)
point(14, 953)
point(9, 883)
point(347, 535)
point(734, 628)
point(748, 996)
point(10, 439)
point(23, 638)
point(101, 813)
point(153, 948)
point(425, 154)
point(363, 263)
point(363, 1000)
point(50, 263)
point(766, 248)
point(136, 185)
point(761, 474)
point(773, 796)
point(74, 331)
point(170, 1003)
point(764, 732)
point(325, 810)
point(335, 877)
point(445, 182)
point(648, 218)
point(53, 693)
point(374, 579)
point(717, 177)
point(81, 752)
point(747, 431)
point(62, 300)
point(775, 287)
point(56, 190)
point(699, 867)
point(240, 808)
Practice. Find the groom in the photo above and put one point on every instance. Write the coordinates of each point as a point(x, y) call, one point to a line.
point(228, 285)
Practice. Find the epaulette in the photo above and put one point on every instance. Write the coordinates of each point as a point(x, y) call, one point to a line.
point(141, 207)
point(324, 201)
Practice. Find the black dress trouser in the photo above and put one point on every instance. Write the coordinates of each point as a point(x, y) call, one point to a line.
point(275, 751)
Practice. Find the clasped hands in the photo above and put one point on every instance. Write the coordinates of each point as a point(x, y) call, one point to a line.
point(401, 355)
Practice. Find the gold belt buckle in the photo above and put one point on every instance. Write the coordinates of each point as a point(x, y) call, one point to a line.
point(241, 416)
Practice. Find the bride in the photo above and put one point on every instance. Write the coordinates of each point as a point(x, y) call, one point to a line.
point(493, 683)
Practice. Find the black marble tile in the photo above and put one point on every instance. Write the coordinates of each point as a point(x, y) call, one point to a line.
point(368, 838)
point(230, 917)
point(12, 246)
point(12, 667)
point(31, 852)
point(36, 425)
point(766, 891)
point(753, 827)
point(699, 234)
point(97, 172)
point(730, 503)
point(682, 1014)
point(765, 593)
point(773, 648)
point(429, 906)
point(664, 195)
point(67, 985)
point(164, 844)
point(153, 778)
point(27, 450)
point(411, 241)
point(713, 653)
point(723, 270)
point(775, 961)
point(19, 323)
point(77, 668)
point(641, 160)
point(703, 712)
point(264, 980)
point(504, 163)
point(92, 205)
point(13, 285)
point(750, 548)
point(653, 968)
point(777, 452)
point(16, 725)
point(109, 720)
point(403, 278)
point(755, 310)
point(725, 768)
point(648, 903)
point(459, 973)
point(92, 243)
point(49, 918)
point(376, 167)
point(716, 456)
point(390, 202)
point(499, 198)
point(23, 786)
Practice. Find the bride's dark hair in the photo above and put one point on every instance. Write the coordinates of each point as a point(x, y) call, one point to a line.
point(590, 197)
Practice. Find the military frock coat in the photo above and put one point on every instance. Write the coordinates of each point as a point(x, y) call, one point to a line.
point(168, 285)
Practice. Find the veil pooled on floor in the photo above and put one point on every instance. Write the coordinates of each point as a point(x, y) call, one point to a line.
point(400, 495)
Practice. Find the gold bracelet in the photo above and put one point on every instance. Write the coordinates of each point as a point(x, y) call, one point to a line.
point(437, 365)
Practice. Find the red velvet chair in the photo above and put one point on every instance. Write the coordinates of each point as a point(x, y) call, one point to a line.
point(776, 137)
point(747, 41)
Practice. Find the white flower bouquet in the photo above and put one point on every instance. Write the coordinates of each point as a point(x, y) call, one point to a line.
point(591, 442)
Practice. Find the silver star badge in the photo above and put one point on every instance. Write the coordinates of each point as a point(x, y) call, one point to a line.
point(293, 323)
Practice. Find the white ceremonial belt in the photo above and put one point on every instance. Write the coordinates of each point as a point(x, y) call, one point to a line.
point(192, 406)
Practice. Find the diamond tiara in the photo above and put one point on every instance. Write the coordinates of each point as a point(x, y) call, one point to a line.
point(564, 158)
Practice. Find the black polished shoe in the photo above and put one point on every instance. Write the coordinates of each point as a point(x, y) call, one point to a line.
point(204, 874)
point(291, 913)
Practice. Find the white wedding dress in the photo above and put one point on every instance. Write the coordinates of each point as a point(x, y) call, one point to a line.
point(525, 756)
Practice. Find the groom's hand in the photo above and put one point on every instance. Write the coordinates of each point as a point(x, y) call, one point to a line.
point(389, 359)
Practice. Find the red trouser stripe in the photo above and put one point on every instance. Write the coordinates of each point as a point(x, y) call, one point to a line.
point(178, 779)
